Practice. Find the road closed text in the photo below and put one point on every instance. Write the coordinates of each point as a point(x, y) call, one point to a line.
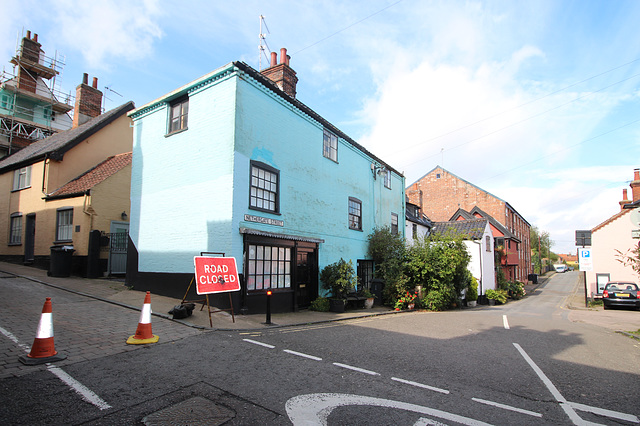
point(216, 274)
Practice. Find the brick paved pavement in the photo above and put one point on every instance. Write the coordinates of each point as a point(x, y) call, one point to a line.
point(84, 327)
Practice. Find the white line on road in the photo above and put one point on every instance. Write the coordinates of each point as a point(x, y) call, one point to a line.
point(315, 358)
point(361, 370)
point(84, 392)
point(603, 412)
point(507, 407)
point(505, 322)
point(259, 343)
point(420, 385)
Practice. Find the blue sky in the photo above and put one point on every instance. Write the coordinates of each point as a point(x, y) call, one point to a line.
point(537, 102)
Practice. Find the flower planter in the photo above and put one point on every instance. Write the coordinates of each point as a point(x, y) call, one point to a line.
point(491, 302)
point(471, 303)
point(368, 304)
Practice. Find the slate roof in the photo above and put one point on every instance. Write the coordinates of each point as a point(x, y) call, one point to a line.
point(472, 229)
point(90, 178)
point(471, 215)
point(57, 145)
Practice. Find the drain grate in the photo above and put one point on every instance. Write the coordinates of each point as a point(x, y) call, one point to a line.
point(193, 411)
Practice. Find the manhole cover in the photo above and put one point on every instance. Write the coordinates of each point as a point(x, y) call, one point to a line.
point(193, 411)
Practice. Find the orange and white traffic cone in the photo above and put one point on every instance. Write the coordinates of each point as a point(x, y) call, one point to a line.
point(143, 332)
point(43, 349)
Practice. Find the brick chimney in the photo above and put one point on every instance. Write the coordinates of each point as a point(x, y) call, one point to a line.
point(30, 51)
point(625, 199)
point(281, 73)
point(635, 185)
point(88, 101)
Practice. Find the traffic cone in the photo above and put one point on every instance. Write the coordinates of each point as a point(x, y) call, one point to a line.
point(43, 349)
point(143, 332)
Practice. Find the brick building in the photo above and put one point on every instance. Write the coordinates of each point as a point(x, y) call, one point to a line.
point(440, 194)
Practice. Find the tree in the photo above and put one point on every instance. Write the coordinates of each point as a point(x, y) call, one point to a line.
point(630, 258)
point(388, 253)
point(541, 244)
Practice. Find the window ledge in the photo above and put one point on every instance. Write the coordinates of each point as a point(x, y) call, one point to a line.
point(175, 132)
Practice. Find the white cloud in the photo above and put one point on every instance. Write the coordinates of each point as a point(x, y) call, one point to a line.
point(108, 31)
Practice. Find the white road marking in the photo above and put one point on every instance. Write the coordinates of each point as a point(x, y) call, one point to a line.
point(84, 392)
point(315, 358)
point(568, 407)
point(314, 409)
point(505, 322)
point(607, 413)
point(420, 385)
point(259, 343)
point(361, 370)
point(507, 407)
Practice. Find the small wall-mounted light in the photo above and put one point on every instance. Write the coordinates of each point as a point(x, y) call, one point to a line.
point(377, 170)
point(123, 215)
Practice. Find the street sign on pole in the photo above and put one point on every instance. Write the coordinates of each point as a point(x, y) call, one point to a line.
point(584, 259)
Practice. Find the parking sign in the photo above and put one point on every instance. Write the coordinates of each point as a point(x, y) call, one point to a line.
point(585, 260)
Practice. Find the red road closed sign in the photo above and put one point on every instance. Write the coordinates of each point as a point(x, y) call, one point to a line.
point(216, 274)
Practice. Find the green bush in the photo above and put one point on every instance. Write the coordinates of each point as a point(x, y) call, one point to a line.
point(499, 296)
point(516, 290)
point(321, 304)
point(339, 277)
point(472, 290)
point(437, 300)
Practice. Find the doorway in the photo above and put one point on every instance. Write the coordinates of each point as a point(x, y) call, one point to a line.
point(306, 276)
point(30, 238)
point(118, 241)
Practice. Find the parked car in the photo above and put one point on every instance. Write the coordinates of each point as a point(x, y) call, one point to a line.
point(620, 293)
point(560, 268)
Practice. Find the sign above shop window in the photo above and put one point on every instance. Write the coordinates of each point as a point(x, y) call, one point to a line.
point(265, 220)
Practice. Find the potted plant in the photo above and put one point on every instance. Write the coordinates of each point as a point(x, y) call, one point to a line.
point(368, 303)
point(339, 278)
point(472, 293)
point(407, 301)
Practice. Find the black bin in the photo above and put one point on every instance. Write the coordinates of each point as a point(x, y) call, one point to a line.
point(60, 262)
point(533, 278)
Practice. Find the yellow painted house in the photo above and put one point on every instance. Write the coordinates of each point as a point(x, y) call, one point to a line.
point(67, 197)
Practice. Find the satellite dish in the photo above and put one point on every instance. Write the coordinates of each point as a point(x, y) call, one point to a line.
point(634, 216)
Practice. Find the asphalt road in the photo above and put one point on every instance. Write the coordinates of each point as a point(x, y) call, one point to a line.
point(520, 363)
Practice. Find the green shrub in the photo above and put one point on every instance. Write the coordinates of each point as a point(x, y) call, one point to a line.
point(437, 300)
point(339, 277)
point(321, 304)
point(516, 290)
point(472, 290)
point(499, 296)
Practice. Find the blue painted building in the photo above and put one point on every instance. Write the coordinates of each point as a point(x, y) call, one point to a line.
point(233, 163)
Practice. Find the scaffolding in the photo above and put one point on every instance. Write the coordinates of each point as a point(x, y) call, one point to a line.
point(30, 97)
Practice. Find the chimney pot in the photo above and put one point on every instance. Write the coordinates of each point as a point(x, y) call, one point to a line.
point(35, 38)
point(636, 174)
point(624, 195)
point(95, 82)
point(283, 55)
point(274, 59)
point(85, 78)
point(29, 34)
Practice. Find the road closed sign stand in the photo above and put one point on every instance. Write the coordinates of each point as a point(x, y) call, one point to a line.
point(215, 275)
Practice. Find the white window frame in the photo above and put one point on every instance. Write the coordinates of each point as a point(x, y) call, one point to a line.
point(387, 179)
point(64, 224)
point(330, 146)
point(264, 188)
point(178, 115)
point(22, 178)
point(355, 214)
point(394, 223)
point(15, 229)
